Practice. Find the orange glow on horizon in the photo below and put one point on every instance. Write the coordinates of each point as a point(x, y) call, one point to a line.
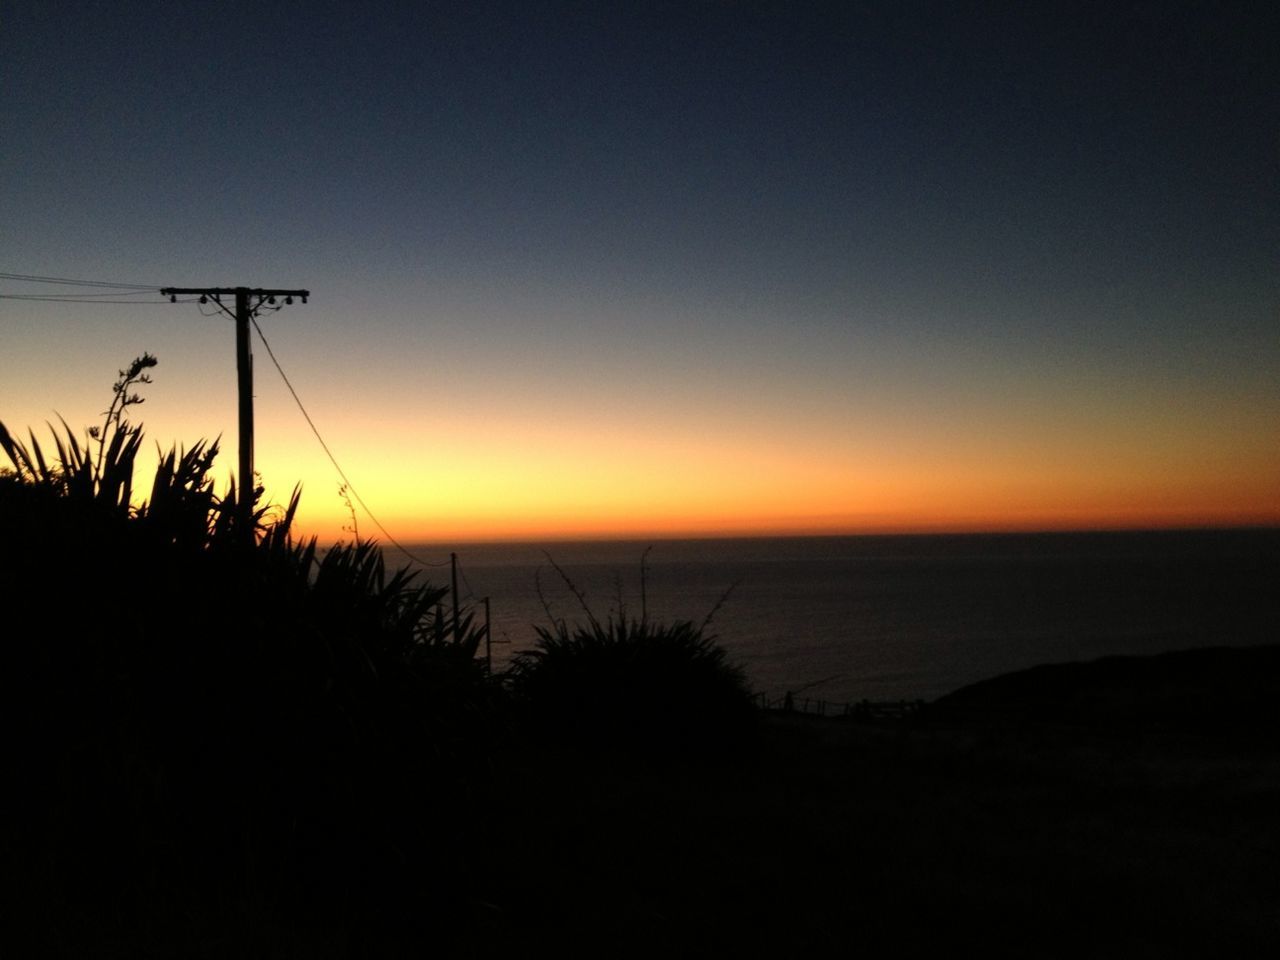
point(916, 509)
point(524, 465)
point(683, 486)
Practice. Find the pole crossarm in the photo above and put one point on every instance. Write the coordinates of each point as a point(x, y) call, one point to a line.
point(259, 292)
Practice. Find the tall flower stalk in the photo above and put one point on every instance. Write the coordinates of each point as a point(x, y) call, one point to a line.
point(122, 398)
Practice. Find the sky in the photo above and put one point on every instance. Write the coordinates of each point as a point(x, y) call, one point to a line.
point(668, 269)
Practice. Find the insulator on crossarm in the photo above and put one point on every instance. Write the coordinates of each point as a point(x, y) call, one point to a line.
point(204, 298)
point(288, 301)
point(173, 298)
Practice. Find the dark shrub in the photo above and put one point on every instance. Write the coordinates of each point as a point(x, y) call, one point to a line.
point(640, 686)
point(202, 720)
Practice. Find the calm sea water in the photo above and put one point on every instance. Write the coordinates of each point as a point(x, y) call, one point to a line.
point(890, 617)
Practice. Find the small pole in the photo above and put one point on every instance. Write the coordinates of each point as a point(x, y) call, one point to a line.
point(453, 566)
point(488, 639)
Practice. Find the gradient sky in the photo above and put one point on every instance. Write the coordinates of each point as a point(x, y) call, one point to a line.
point(687, 268)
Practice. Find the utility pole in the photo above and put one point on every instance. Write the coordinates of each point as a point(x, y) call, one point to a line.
point(248, 301)
point(453, 569)
point(488, 640)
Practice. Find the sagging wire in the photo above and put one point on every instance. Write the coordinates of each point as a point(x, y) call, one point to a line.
point(334, 460)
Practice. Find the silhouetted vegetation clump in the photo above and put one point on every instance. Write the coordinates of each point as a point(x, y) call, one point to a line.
point(271, 723)
point(635, 685)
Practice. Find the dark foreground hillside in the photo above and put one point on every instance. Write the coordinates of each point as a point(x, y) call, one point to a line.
point(1125, 807)
point(1120, 808)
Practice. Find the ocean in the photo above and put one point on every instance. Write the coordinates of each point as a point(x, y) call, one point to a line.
point(843, 619)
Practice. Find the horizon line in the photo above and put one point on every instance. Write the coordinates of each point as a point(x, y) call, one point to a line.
point(1266, 527)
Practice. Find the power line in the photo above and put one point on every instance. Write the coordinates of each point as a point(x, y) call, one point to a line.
point(49, 298)
point(334, 460)
point(37, 278)
point(466, 583)
point(81, 295)
point(112, 289)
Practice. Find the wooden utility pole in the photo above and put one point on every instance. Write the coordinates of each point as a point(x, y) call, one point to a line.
point(248, 301)
point(453, 569)
point(488, 639)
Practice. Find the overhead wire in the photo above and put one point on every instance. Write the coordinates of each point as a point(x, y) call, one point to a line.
point(466, 583)
point(67, 281)
point(111, 289)
point(334, 460)
point(53, 299)
point(80, 295)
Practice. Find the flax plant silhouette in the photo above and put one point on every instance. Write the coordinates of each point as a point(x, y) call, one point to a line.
point(662, 689)
point(277, 728)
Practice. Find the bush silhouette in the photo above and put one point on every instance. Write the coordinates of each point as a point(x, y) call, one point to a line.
point(270, 720)
point(641, 686)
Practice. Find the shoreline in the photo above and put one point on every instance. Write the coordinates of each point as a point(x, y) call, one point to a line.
point(1213, 680)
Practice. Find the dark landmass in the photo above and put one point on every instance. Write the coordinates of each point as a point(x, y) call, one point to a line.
point(1123, 807)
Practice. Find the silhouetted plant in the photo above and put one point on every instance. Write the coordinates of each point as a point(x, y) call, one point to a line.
point(631, 683)
point(121, 399)
point(107, 480)
point(188, 697)
point(344, 492)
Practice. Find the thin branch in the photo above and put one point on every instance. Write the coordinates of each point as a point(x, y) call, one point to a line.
point(582, 599)
point(724, 597)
